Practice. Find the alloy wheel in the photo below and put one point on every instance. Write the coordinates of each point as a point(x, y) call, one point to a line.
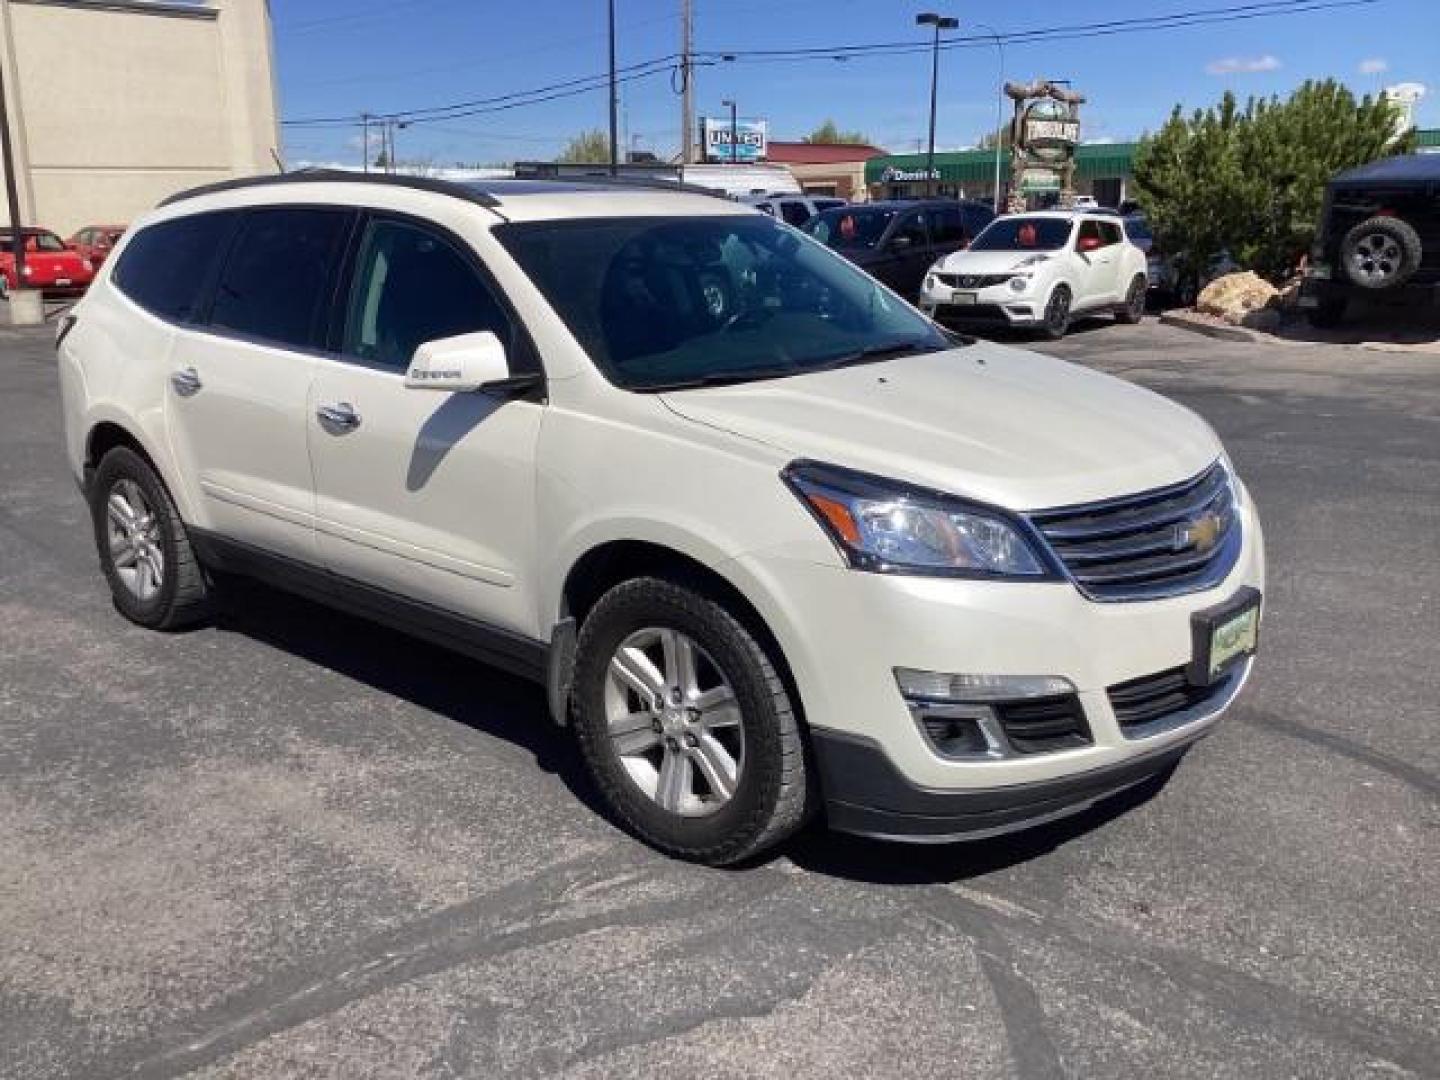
point(674, 721)
point(133, 532)
point(1057, 312)
point(1376, 259)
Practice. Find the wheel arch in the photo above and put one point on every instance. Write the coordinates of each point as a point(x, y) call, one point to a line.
point(107, 432)
point(606, 564)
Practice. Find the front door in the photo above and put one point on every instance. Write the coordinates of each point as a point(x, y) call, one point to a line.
point(424, 493)
point(907, 255)
point(240, 381)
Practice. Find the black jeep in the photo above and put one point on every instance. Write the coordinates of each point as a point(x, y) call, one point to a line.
point(1379, 237)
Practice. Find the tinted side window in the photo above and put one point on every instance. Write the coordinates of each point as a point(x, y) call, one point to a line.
point(274, 282)
point(913, 226)
point(1110, 232)
point(947, 226)
point(1089, 230)
point(411, 286)
point(165, 266)
point(975, 219)
point(794, 213)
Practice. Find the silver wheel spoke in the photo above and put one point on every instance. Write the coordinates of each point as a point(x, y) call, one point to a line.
point(675, 780)
point(120, 511)
point(679, 661)
point(634, 669)
point(716, 765)
point(633, 733)
point(124, 556)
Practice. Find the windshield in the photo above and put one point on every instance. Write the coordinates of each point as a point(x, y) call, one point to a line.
point(849, 228)
point(670, 302)
point(1023, 234)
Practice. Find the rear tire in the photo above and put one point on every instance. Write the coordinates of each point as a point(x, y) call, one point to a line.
point(144, 550)
point(1133, 310)
point(701, 758)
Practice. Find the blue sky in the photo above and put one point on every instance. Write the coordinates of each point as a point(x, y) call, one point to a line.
point(342, 57)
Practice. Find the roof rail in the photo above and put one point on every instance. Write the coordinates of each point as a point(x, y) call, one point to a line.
point(568, 173)
point(340, 176)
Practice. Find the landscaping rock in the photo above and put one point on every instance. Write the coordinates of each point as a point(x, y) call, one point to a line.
point(1236, 296)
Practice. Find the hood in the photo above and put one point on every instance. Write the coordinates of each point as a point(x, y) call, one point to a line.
point(988, 262)
point(1001, 425)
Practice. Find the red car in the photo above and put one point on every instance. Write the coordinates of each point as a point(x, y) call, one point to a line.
point(95, 242)
point(49, 265)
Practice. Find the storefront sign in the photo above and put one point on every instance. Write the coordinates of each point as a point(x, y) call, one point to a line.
point(751, 138)
point(1039, 180)
point(894, 175)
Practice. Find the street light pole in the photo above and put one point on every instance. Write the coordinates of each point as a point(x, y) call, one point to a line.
point(999, 109)
point(12, 190)
point(734, 132)
point(939, 22)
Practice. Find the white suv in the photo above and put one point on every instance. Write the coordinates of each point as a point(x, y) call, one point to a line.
point(776, 544)
point(1041, 270)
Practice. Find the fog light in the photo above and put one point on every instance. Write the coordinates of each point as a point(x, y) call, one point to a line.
point(955, 736)
point(930, 282)
point(1019, 284)
point(971, 687)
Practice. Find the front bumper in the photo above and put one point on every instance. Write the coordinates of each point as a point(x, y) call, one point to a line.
point(844, 632)
point(996, 304)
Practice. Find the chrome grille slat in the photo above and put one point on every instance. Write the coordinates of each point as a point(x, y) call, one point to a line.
point(1142, 546)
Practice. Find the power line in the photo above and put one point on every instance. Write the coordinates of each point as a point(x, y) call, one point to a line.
point(573, 87)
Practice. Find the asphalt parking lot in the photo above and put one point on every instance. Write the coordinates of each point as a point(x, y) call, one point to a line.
point(294, 844)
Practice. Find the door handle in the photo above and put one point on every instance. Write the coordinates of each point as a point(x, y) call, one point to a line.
point(338, 418)
point(186, 381)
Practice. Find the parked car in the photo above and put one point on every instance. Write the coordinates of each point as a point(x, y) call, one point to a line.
point(896, 240)
point(1167, 272)
point(793, 209)
point(95, 242)
point(50, 266)
point(775, 543)
point(1379, 237)
point(1041, 270)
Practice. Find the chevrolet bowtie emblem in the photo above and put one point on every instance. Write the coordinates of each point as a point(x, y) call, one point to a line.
point(1201, 534)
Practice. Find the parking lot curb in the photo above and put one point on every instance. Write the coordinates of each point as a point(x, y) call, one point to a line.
point(1186, 321)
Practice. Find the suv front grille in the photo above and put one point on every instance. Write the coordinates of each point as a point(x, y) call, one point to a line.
point(1173, 540)
point(972, 281)
point(1038, 725)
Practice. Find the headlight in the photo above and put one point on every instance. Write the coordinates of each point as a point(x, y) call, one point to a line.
point(889, 527)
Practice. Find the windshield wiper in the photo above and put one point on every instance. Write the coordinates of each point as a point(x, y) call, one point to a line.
point(874, 354)
point(720, 378)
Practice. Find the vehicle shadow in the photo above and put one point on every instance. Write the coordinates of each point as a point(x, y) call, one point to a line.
point(492, 702)
point(443, 682)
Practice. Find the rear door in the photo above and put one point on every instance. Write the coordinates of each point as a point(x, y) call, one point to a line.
point(905, 255)
point(1096, 268)
point(424, 493)
point(947, 231)
point(236, 406)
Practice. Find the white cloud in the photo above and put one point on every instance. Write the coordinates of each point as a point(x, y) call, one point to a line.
point(1238, 65)
point(1375, 65)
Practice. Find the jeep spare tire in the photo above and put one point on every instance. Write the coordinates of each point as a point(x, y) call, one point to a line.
point(1381, 253)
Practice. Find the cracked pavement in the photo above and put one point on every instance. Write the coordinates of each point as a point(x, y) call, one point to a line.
point(295, 844)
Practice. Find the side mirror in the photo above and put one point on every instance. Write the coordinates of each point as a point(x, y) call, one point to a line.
point(458, 365)
point(1087, 243)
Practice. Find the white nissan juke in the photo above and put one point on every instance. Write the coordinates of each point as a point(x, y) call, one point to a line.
point(1040, 270)
point(777, 545)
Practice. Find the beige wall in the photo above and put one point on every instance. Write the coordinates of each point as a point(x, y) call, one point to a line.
point(115, 104)
point(848, 178)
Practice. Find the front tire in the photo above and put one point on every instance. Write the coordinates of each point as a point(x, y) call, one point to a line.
point(686, 727)
point(1057, 313)
point(145, 552)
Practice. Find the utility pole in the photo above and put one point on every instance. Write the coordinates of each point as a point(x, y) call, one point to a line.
point(614, 100)
point(734, 131)
point(365, 150)
point(12, 191)
point(687, 90)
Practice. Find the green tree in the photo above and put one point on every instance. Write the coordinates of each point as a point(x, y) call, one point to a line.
point(1251, 181)
point(829, 133)
point(589, 147)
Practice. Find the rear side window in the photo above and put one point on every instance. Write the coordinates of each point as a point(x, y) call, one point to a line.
point(276, 278)
point(165, 267)
point(946, 226)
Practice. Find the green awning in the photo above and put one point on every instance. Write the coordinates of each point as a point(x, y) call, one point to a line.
point(1093, 161)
